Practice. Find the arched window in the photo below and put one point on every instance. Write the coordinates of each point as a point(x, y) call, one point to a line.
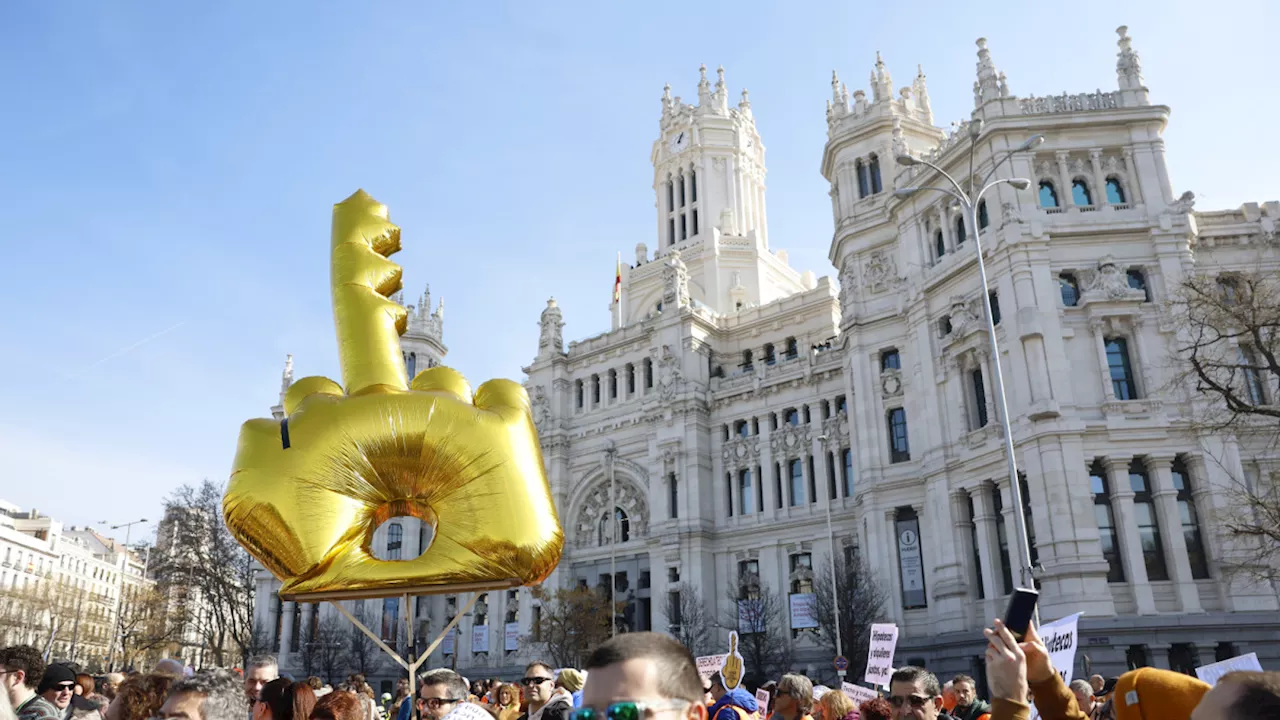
point(746, 361)
point(960, 237)
point(1115, 191)
point(939, 244)
point(680, 189)
point(769, 357)
point(613, 384)
point(395, 540)
point(605, 532)
point(671, 202)
point(864, 179)
point(1048, 196)
point(595, 389)
point(741, 428)
point(648, 373)
point(875, 174)
point(983, 219)
point(413, 365)
point(579, 393)
point(1080, 194)
point(693, 186)
point(792, 416)
point(631, 379)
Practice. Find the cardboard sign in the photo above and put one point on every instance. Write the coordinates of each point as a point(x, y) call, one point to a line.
point(884, 641)
point(732, 670)
point(762, 701)
point(1061, 637)
point(1213, 672)
point(709, 665)
point(468, 711)
point(857, 693)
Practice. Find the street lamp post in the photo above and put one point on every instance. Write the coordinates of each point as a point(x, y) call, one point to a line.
point(970, 206)
point(831, 558)
point(119, 628)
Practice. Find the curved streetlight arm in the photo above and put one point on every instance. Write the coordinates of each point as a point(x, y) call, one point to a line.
point(944, 174)
point(992, 184)
point(960, 196)
point(1008, 154)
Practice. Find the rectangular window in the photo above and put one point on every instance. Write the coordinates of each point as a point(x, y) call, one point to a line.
point(1122, 380)
point(796, 471)
point(889, 360)
point(1002, 540)
point(1070, 289)
point(631, 379)
point(671, 231)
point(673, 498)
point(671, 203)
point(536, 623)
point(801, 572)
point(841, 405)
point(728, 492)
point(813, 482)
point(899, 448)
point(1253, 385)
point(831, 476)
point(777, 485)
point(693, 186)
point(748, 579)
point(1106, 521)
point(1190, 521)
point(684, 226)
point(979, 398)
point(976, 579)
point(846, 463)
point(746, 492)
point(793, 350)
point(390, 619)
point(995, 307)
point(1144, 510)
point(910, 561)
point(695, 222)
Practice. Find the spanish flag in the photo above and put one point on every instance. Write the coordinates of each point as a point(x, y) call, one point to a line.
point(617, 281)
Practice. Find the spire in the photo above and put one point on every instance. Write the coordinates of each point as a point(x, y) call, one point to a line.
point(286, 377)
point(439, 313)
point(987, 87)
point(424, 302)
point(744, 105)
point(835, 87)
point(1128, 65)
point(704, 88)
point(921, 93)
point(722, 93)
point(881, 81)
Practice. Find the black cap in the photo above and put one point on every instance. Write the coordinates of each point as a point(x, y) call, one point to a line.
point(55, 675)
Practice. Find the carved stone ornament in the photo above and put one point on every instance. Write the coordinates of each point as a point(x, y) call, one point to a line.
point(881, 271)
point(891, 383)
point(789, 440)
point(1184, 204)
point(551, 338)
point(670, 377)
point(675, 282)
point(541, 408)
point(963, 319)
point(592, 514)
point(1107, 282)
point(1009, 214)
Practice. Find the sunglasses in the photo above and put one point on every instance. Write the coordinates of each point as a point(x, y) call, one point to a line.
point(917, 701)
point(436, 703)
point(627, 710)
point(534, 681)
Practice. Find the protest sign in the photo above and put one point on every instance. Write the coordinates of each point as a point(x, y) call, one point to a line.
point(857, 693)
point(1061, 637)
point(709, 665)
point(819, 691)
point(762, 701)
point(884, 640)
point(1212, 672)
point(733, 669)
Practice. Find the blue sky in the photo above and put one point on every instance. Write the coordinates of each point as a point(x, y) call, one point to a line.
point(168, 169)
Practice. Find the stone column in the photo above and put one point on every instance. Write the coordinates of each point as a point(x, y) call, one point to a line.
point(1100, 345)
point(889, 532)
point(1174, 542)
point(717, 477)
point(1010, 532)
point(822, 468)
point(286, 632)
point(770, 500)
point(1127, 532)
point(308, 612)
point(984, 518)
point(1099, 180)
point(1065, 197)
point(1133, 192)
point(963, 531)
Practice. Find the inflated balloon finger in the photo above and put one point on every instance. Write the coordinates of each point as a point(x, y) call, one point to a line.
point(306, 494)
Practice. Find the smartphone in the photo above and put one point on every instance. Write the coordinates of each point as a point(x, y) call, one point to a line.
point(1022, 607)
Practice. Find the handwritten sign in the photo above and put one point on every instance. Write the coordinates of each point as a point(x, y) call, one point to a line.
point(1213, 672)
point(857, 693)
point(709, 665)
point(762, 701)
point(884, 641)
point(1061, 637)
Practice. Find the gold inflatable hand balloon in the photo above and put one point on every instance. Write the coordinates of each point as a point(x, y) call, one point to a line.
point(306, 494)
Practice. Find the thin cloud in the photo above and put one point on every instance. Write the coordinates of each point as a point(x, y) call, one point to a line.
point(134, 346)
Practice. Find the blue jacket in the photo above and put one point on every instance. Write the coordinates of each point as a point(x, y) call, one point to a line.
point(736, 697)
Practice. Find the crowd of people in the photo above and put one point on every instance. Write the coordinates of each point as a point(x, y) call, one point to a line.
point(634, 676)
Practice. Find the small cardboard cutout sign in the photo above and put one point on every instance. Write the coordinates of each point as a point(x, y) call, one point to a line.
point(731, 671)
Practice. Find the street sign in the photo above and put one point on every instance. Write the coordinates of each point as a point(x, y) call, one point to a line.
point(842, 663)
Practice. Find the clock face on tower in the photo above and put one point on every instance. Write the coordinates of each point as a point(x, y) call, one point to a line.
point(679, 142)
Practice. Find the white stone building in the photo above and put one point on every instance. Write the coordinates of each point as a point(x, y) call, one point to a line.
point(739, 399)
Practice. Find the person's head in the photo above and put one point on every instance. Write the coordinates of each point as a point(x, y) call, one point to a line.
point(339, 705)
point(22, 667)
point(645, 668)
point(1241, 696)
point(570, 679)
point(1154, 693)
point(206, 695)
point(171, 666)
point(1096, 682)
point(111, 684)
point(257, 673)
point(949, 697)
point(283, 699)
point(85, 684)
point(875, 709)
point(58, 685)
point(507, 695)
point(539, 683)
point(715, 687)
point(441, 692)
point(914, 693)
point(707, 697)
point(402, 687)
point(139, 697)
point(1084, 694)
point(966, 690)
point(835, 705)
point(794, 695)
point(315, 683)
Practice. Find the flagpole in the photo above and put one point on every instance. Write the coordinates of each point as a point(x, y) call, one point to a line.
point(617, 294)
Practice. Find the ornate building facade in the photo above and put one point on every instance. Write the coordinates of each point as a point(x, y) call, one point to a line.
point(736, 401)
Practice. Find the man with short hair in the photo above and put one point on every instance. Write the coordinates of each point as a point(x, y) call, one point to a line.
point(207, 695)
point(111, 684)
point(1241, 696)
point(261, 670)
point(441, 692)
point(1097, 682)
point(1084, 695)
point(735, 704)
point(915, 693)
point(171, 667)
point(546, 701)
point(650, 673)
point(21, 670)
point(968, 706)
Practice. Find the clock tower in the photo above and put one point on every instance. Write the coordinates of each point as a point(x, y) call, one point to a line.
point(708, 179)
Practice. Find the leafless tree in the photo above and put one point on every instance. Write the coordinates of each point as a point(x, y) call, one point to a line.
point(688, 619)
point(861, 604)
point(572, 622)
point(363, 654)
point(1228, 348)
point(325, 651)
point(761, 618)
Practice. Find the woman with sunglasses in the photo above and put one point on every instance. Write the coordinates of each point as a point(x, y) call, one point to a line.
point(793, 699)
point(283, 699)
point(546, 701)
